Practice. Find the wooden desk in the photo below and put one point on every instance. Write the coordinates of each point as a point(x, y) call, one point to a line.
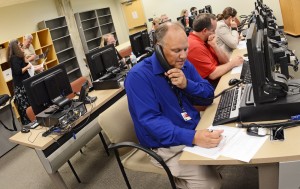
point(266, 159)
point(54, 150)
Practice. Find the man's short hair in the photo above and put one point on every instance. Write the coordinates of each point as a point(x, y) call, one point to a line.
point(162, 29)
point(203, 21)
point(28, 37)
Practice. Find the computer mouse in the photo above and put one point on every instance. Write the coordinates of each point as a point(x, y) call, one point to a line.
point(24, 130)
point(233, 81)
point(256, 131)
point(253, 131)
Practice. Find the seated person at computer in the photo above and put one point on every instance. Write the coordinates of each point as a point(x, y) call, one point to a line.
point(208, 58)
point(226, 31)
point(185, 21)
point(161, 106)
point(19, 69)
point(108, 39)
point(29, 53)
point(164, 18)
point(155, 24)
point(193, 11)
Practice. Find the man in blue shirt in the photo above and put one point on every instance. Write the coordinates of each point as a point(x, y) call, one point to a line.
point(161, 106)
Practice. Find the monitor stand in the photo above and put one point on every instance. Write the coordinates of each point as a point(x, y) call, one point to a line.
point(282, 108)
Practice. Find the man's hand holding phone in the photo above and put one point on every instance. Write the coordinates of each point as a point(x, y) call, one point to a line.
point(177, 77)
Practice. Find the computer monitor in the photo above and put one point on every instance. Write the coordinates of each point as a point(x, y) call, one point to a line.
point(201, 11)
point(109, 56)
point(267, 85)
point(44, 87)
point(257, 65)
point(139, 42)
point(95, 64)
point(208, 9)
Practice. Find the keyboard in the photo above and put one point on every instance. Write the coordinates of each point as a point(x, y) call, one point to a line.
point(246, 73)
point(108, 75)
point(228, 108)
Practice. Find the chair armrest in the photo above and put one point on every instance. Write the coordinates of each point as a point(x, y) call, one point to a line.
point(148, 151)
point(137, 146)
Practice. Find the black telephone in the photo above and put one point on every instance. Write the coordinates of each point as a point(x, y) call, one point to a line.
point(161, 57)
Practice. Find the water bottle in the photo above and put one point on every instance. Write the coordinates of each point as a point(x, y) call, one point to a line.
point(133, 59)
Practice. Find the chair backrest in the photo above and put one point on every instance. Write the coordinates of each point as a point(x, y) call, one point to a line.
point(76, 86)
point(116, 122)
point(30, 114)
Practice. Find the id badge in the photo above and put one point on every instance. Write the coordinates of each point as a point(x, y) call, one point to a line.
point(185, 116)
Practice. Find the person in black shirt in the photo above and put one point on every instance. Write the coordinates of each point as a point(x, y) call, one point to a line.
point(19, 68)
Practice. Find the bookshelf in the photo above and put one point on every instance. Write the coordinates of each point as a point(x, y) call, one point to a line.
point(63, 46)
point(92, 25)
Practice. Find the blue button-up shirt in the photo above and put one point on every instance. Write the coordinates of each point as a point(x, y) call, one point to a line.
point(154, 106)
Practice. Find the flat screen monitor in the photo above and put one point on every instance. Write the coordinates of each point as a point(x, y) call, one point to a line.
point(109, 56)
point(257, 63)
point(100, 59)
point(44, 87)
point(208, 9)
point(95, 64)
point(201, 11)
point(139, 42)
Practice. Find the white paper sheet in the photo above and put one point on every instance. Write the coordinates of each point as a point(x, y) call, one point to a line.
point(214, 153)
point(235, 144)
point(243, 146)
point(31, 70)
point(238, 69)
point(242, 45)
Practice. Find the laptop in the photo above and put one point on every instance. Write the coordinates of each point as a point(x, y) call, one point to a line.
point(43, 55)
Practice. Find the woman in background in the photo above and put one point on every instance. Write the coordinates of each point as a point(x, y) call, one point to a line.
point(19, 67)
point(108, 39)
point(226, 31)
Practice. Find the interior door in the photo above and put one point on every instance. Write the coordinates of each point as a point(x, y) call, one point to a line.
point(134, 14)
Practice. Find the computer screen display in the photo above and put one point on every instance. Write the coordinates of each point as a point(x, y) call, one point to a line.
point(139, 41)
point(42, 88)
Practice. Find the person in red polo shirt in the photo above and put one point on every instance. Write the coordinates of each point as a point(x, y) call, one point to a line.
point(210, 61)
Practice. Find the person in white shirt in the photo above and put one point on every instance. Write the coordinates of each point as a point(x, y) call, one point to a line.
point(227, 30)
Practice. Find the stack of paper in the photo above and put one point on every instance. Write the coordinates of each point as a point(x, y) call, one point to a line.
point(235, 144)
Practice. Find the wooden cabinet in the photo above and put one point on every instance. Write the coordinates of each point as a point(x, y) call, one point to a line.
point(63, 45)
point(290, 10)
point(5, 76)
point(92, 25)
point(41, 42)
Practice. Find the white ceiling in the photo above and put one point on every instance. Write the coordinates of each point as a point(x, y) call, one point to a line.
point(5, 3)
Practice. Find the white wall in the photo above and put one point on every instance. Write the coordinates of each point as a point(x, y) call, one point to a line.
point(20, 19)
point(172, 8)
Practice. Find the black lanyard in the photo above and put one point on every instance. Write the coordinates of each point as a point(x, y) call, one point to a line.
point(177, 93)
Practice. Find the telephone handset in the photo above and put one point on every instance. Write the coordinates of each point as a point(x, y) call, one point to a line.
point(161, 57)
